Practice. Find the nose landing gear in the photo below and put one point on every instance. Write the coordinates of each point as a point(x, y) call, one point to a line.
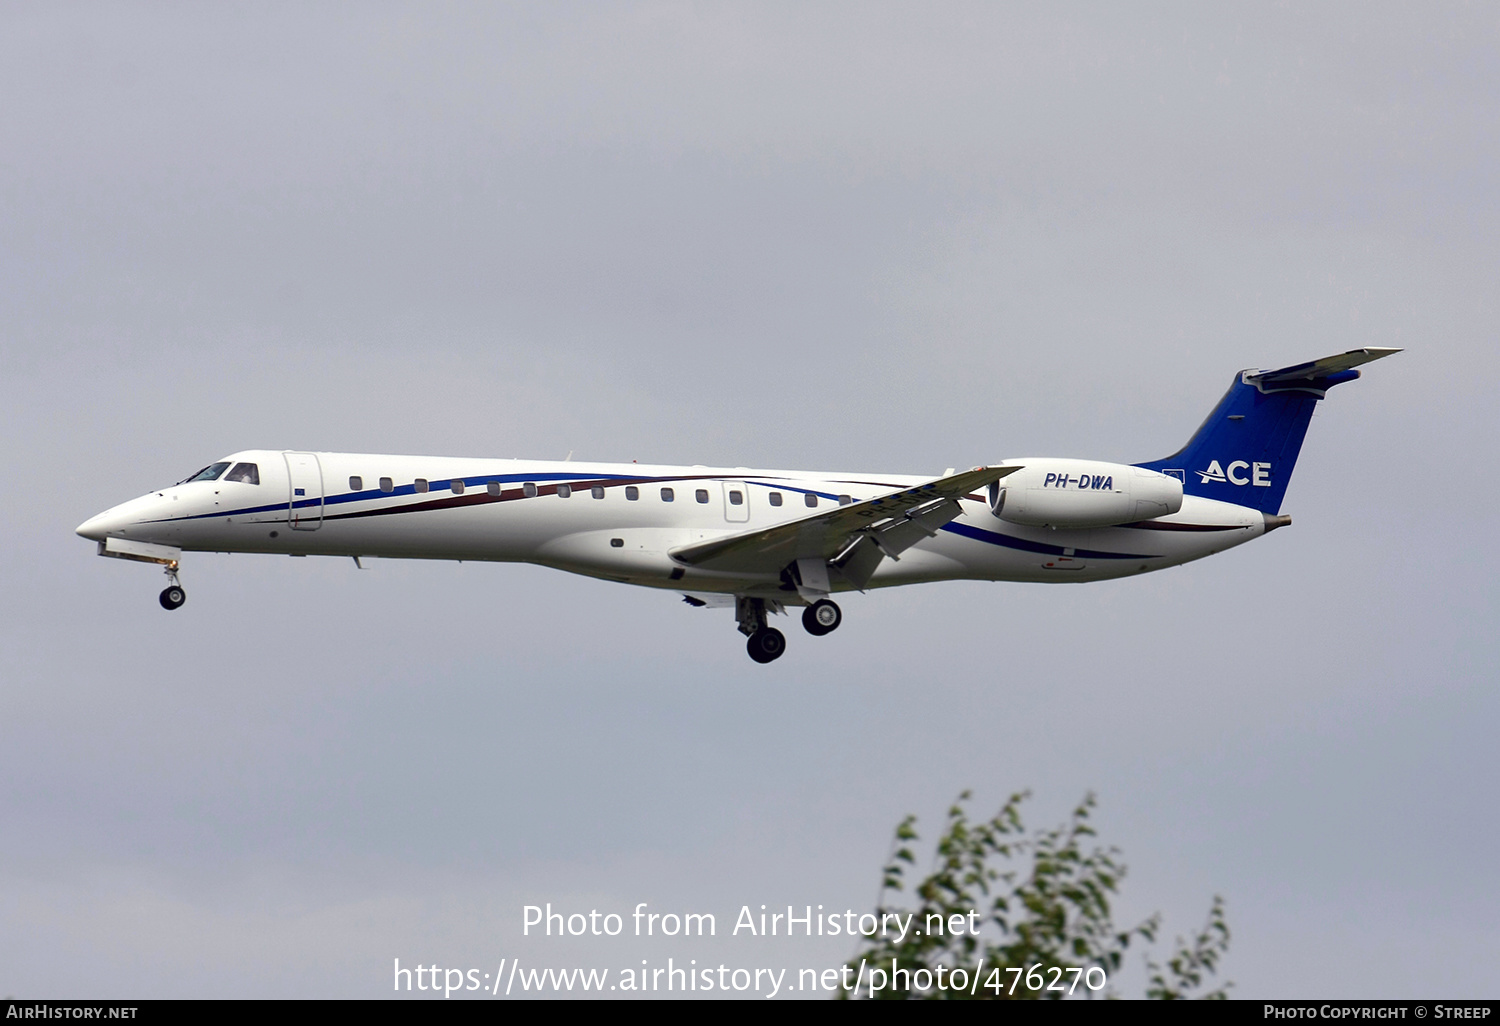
point(172, 596)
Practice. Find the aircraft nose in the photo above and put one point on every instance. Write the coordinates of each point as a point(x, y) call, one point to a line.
point(95, 528)
point(115, 520)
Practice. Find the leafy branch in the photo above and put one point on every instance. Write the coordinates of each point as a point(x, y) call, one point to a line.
point(1001, 901)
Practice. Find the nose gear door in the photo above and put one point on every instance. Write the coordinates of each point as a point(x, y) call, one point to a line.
point(304, 490)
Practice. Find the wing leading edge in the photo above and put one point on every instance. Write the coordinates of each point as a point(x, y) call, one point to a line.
point(851, 540)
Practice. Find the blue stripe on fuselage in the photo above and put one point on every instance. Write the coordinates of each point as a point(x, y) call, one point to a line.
point(1010, 542)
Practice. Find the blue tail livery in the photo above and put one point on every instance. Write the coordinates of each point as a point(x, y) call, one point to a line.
point(1245, 451)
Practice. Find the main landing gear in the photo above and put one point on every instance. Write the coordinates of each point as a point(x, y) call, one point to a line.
point(822, 617)
point(172, 596)
point(766, 644)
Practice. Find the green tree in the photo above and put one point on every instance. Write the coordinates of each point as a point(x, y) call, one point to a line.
point(1008, 914)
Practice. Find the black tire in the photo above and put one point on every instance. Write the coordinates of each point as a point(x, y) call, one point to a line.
point(173, 597)
point(822, 617)
point(766, 644)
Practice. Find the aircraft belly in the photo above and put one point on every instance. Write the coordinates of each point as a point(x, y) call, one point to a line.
point(920, 563)
point(439, 534)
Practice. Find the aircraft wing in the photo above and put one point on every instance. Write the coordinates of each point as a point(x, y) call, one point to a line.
point(852, 539)
point(1324, 368)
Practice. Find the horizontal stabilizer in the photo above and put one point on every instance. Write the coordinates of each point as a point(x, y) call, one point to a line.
point(1330, 370)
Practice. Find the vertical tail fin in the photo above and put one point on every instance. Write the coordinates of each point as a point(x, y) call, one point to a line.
point(1245, 451)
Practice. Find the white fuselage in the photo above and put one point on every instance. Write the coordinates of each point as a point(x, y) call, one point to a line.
point(421, 507)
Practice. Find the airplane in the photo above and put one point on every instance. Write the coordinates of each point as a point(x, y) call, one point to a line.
point(760, 541)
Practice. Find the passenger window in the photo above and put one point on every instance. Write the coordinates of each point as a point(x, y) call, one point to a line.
point(529, 489)
point(245, 473)
point(845, 500)
point(387, 485)
point(776, 498)
point(701, 495)
point(564, 491)
point(736, 498)
point(811, 500)
point(667, 495)
point(597, 491)
point(617, 543)
point(632, 492)
point(420, 484)
point(493, 487)
point(457, 484)
point(208, 473)
point(356, 483)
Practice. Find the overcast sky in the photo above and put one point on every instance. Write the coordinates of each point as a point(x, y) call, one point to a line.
point(848, 237)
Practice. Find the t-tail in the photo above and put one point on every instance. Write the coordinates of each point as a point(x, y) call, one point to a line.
point(1245, 451)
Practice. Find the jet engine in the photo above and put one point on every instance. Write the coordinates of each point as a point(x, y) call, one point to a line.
point(1073, 494)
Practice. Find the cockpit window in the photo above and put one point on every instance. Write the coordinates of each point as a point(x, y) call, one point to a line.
point(248, 473)
point(209, 473)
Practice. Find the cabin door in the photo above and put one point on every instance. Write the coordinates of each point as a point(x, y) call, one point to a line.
point(304, 490)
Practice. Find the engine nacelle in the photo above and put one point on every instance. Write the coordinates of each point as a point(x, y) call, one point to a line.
point(1082, 493)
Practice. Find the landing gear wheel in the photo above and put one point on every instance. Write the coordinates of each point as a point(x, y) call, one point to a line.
point(822, 617)
point(173, 597)
point(766, 644)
